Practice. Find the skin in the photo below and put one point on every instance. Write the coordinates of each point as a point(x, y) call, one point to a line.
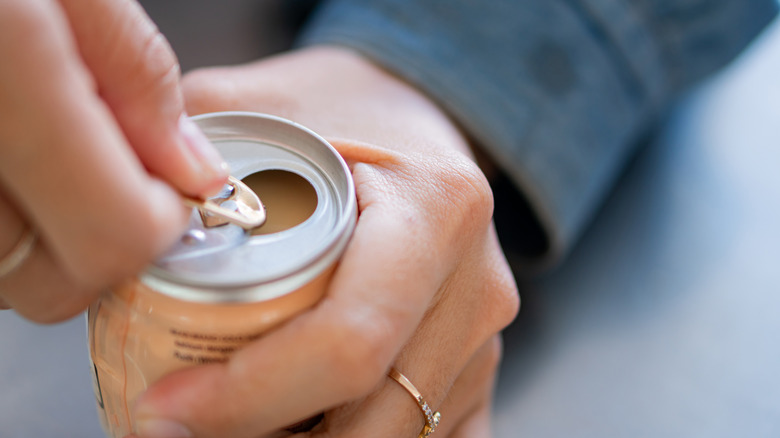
point(104, 102)
point(430, 302)
point(93, 150)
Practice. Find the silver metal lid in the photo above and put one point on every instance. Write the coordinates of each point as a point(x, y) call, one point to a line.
point(227, 263)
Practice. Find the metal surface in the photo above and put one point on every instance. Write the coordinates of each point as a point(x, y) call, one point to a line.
point(238, 205)
point(157, 324)
point(431, 418)
point(226, 264)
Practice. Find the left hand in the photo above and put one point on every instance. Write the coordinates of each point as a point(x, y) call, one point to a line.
point(423, 285)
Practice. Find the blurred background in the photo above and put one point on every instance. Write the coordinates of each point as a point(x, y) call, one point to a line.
point(665, 321)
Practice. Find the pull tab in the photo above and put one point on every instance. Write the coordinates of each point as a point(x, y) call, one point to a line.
point(236, 204)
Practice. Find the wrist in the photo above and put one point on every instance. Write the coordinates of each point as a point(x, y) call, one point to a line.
point(333, 90)
point(347, 63)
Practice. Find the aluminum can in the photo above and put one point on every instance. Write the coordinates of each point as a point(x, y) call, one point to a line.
point(221, 287)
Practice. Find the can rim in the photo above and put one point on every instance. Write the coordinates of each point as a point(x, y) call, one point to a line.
point(334, 242)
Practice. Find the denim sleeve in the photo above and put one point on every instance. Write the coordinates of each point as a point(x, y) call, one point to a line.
point(556, 91)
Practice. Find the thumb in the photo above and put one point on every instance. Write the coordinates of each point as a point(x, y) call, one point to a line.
point(137, 75)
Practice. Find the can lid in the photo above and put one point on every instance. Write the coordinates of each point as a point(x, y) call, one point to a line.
point(229, 263)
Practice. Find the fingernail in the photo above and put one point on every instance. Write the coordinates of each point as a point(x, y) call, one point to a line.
point(158, 428)
point(201, 148)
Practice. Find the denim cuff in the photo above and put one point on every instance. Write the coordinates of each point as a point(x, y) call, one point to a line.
point(557, 91)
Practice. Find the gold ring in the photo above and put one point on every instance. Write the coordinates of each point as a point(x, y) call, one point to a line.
point(431, 418)
point(19, 253)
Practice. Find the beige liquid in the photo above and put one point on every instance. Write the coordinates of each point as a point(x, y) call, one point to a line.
point(288, 198)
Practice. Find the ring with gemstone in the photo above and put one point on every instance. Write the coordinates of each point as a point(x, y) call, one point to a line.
point(431, 418)
point(19, 253)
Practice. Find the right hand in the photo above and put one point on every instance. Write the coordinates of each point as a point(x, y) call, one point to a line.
point(94, 150)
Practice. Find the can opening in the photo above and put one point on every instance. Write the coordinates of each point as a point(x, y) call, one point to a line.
point(289, 199)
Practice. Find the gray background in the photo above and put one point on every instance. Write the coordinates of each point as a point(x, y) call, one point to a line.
point(663, 322)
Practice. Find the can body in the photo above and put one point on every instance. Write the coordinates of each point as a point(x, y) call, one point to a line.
point(222, 287)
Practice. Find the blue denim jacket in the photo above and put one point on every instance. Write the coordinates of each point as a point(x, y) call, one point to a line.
point(557, 91)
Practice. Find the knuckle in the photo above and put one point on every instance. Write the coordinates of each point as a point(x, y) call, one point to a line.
point(473, 190)
point(136, 56)
point(111, 254)
point(360, 353)
point(494, 350)
point(497, 295)
point(464, 188)
point(156, 69)
point(501, 297)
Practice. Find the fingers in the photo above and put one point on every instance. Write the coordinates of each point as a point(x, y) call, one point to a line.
point(58, 297)
point(341, 350)
point(337, 352)
point(453, 344)
point(423, 271)
point(469, 401)
point(137, 75)
point(392, 412)
point(69, 172)
point(41, 288)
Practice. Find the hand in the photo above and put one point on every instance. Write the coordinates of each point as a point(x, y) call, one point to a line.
point(93, 150)
point(423, 285)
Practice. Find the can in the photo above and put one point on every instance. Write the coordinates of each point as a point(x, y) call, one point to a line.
point(222, 286)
